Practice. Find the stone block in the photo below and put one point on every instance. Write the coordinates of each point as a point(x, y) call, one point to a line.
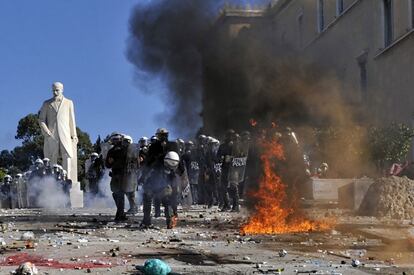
point(352, 194)
point(76, 195)
point(324, 189)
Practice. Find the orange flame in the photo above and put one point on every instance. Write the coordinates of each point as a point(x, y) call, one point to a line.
point(253, 122)
point(272, 214)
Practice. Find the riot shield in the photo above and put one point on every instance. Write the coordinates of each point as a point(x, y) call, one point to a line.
point(132, 166)
point(186, 197)
point(238, 163)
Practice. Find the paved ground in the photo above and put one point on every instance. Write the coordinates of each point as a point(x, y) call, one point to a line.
point(205, 242)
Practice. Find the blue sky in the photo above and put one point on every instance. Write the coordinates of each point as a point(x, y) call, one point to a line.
point(82, 44)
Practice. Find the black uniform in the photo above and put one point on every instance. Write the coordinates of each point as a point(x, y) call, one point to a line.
point(191, 161)
point(116, 160)
point(157, 185)
point(224, 155)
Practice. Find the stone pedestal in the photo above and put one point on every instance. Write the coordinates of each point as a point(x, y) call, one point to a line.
point(352, 194)
point(76, 195)
point(325, 189)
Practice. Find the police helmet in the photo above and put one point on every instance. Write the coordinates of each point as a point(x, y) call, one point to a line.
point(245, 135)
point(39, 162)
point(230, 134)
point(46, 161)
point(215, 141)
point(116, 138)
point(143, 141)
point(162, 134)
point(324, 165)
point(161, 131)
point(154, 139)
point(171, 160)
point(128, 139)
point(7, 179)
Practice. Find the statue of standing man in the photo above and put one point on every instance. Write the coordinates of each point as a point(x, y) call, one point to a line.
point(57, 122)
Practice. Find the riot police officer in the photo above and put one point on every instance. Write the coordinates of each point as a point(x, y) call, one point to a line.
point(116, 161)
point(160, 185)
point(131, 173)
point(34, 182)
point(159, 147)
point(224, 155)
point(191, 160)
point(5, 192)
point(94, 173)
point(47, 167)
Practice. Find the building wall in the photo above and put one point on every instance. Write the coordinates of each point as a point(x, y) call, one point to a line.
point(350, 40)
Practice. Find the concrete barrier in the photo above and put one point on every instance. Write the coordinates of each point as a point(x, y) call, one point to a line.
point(324, 189)
point(352, 194)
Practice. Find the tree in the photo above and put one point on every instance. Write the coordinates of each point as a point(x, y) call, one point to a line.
point(390, 144)
point(28, 130)
point(2, 174)
point(85, 148)
point(6, 159)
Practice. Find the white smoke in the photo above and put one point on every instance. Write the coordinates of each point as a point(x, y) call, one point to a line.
point(104, 197)
point(47, 192)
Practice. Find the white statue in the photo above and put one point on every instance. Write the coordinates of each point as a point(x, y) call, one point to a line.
point(57, 121)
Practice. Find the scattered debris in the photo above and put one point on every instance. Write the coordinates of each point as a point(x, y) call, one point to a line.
point(27, 236)
point(282, 253)
point(355, 263)
point(26, 268)
point(155, 267)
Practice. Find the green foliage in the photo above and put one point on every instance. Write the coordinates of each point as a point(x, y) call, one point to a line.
point(390, 144)
point(85, 148)
point(355, 151)
point(2, 174)
point(344, 149)
point(28, 131)
point(6, 159)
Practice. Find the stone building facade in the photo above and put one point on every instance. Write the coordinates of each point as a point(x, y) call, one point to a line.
point(367, 44)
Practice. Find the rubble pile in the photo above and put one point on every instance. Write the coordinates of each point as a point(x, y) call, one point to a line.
point(389, 197)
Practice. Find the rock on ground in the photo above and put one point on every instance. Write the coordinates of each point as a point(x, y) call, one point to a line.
point(389, 197)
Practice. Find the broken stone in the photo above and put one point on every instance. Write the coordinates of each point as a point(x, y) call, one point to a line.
point(26, 269)
point(355, 263)
point(28, 236)
point(282, 253)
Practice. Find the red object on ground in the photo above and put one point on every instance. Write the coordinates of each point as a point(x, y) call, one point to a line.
point(18, 259)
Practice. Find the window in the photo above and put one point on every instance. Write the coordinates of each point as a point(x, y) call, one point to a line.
point(339, 7)
point(363, 75)
point(411, 9)
point(300, 32)
point(321, 21)
point(387, 14)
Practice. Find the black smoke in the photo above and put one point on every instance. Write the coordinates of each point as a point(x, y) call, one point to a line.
point(219, 82)
point(166, 40)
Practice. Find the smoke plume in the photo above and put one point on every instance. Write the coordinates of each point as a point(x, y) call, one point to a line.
point(46, 192)
point(231, 76)
point(229, 79)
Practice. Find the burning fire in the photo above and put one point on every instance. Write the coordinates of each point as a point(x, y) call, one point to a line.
point(273, 214)
point(253, 122)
